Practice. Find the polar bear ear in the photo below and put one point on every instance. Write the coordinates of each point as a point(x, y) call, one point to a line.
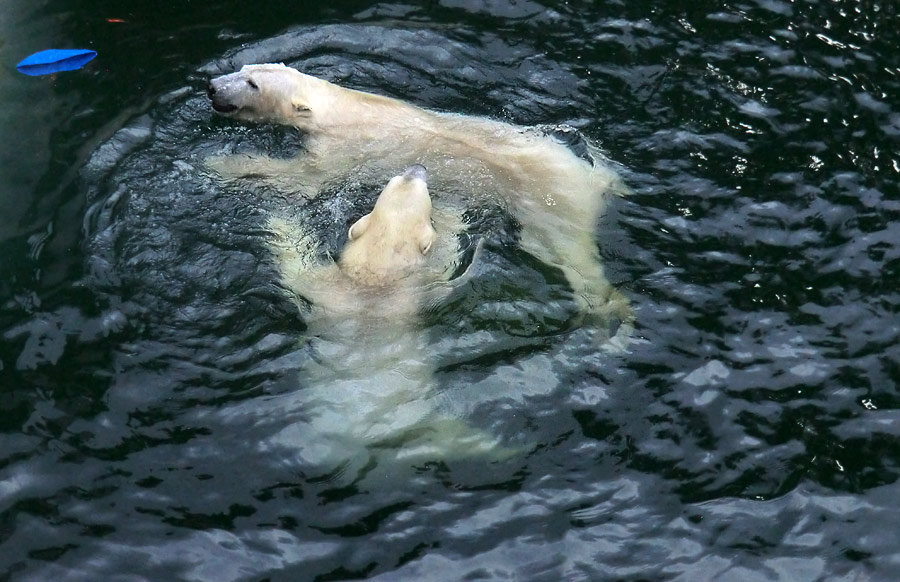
point(359, 227)
point(301, 108)
point(426, 239)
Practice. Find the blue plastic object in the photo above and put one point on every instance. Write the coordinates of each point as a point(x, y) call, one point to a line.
point(55, 60)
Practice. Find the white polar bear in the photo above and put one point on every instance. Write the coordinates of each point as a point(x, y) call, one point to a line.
point(369, 389)
point(556, 196)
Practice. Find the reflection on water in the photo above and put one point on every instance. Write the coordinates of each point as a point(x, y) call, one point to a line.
point(151, 360)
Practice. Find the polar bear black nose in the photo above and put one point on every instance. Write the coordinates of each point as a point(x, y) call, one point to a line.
point(416, 171)
point(210, 89)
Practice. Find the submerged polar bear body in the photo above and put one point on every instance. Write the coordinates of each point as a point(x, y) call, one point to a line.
point(556, 196)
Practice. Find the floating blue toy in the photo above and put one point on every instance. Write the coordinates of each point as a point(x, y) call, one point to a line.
point(55, 60)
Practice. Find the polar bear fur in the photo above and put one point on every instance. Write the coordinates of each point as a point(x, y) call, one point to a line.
point(390, 243)
point(369, 389)
point(393, 260)
point(556, 197)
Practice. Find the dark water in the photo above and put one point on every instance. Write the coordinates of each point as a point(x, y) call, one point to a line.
point(149, 355)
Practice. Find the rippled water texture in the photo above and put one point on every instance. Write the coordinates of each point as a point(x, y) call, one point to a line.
point(152, 365)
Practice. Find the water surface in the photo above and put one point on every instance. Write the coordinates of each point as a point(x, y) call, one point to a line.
point(748, 434)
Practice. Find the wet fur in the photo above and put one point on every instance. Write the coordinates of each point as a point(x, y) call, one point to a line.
point(556, 196)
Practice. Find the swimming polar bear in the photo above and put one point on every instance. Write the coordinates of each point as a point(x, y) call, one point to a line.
point(556, 197)
point(369, 390)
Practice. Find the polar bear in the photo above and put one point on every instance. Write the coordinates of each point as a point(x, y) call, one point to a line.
point(369, 390)
point(556, 196)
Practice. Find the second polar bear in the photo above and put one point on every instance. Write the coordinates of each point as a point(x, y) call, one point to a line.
point(556, 197)
point(369, 392)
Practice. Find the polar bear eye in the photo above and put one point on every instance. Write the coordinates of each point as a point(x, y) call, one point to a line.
point(253, 84)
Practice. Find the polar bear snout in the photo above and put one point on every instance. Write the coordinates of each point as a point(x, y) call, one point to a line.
point(220, 104)
point(416, 171)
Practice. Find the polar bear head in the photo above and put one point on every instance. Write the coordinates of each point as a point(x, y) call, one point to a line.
point(392, 242)
point(269, 93)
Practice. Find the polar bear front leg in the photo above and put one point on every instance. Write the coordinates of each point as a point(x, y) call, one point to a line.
point(574, 251)
point(294, 175)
